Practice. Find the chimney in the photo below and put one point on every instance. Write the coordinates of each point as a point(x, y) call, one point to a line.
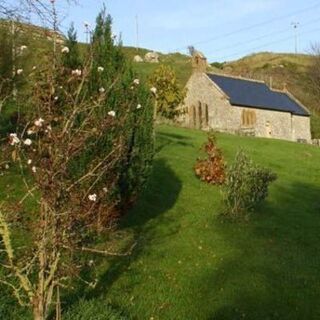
point(199, 62)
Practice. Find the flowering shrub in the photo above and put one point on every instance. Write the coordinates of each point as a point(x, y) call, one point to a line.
point(212, 169)
point(88, 152)
point(245, 187)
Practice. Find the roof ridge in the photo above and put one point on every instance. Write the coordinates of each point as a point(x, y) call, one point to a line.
point(236, 77)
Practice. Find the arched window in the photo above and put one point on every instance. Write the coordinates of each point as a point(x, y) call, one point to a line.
point(207, 114)
point(200, 114)
point(194, 116)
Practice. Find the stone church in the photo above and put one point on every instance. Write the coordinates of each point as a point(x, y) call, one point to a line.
point(242, 106)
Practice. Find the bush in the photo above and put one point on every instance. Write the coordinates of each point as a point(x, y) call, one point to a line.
point(212, 169)
point(169, 94)
point(218, 65)
point(246, 186)
point(93, 310)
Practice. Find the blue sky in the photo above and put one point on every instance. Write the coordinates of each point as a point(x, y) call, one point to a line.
point(222, 29)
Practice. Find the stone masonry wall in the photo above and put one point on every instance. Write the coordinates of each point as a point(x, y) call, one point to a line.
point(222, 116)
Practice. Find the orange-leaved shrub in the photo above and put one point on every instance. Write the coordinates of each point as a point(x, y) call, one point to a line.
point(211, 169)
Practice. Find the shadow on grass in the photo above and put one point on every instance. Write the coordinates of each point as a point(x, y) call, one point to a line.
point(165, 139)
point(272, 269)
point(160, 195)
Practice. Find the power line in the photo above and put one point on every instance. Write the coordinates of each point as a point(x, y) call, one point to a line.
point(266, 44)
point(228, 34)
point(265, 36)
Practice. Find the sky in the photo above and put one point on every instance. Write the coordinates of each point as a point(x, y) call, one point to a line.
point(223, 30)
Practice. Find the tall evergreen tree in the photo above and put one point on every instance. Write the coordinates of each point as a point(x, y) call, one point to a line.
point(71, 59)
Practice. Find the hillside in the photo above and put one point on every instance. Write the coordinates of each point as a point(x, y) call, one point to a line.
point(277, 70)
point(191, 264)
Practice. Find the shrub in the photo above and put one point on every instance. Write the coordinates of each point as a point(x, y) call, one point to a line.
point(212, 169)
point(169, 94)
point(84, 148)
point(218, 65)
point(246, 186)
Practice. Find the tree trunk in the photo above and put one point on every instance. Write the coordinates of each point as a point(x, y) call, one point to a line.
point(38, 310)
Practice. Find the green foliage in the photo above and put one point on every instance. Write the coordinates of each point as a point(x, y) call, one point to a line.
point(315, 126)
point(5, 57)
point(246, 186)
point(169, 93)
point(218, 65)
point(71, 60)
point(8, 119)
point(97, 309)
point(113, 74)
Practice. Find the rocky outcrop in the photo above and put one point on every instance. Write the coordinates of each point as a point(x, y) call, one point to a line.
point(137, 58)
point(152, 57)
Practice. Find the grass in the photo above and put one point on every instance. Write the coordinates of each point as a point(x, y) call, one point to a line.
point(191, 264)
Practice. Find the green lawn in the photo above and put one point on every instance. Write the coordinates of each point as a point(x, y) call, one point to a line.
point(191, 264)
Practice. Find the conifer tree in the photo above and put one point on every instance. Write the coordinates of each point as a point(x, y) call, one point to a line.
point(71, 59)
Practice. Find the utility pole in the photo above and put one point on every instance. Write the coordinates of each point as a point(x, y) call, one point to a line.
point(137, 33)
point(295, 26)
point(87, 32)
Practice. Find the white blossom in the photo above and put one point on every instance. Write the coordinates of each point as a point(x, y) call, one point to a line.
point(92, 197)
point(100, 69)
point(91, 262)
point(7, 166)
point(153, 90)
point(102, 90)
point(112, 113)
point(23, 47)
point(56, 98)
point(30, 132)
point(34, 67)
point(14, 139)
point(29, 161)
point(39, 122)
point(34, 169)
point(19, 71)
point(136, 81)
point(65, 50)
point(27, 142)
point(139, 106)
point(105, 190)
point(76, 72)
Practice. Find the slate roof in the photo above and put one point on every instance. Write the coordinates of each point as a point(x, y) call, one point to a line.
point(248, 93)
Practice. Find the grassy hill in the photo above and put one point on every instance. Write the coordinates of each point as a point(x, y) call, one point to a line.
point(191, 264)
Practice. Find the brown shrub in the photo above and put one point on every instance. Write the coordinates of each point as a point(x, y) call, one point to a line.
point(212, 169)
